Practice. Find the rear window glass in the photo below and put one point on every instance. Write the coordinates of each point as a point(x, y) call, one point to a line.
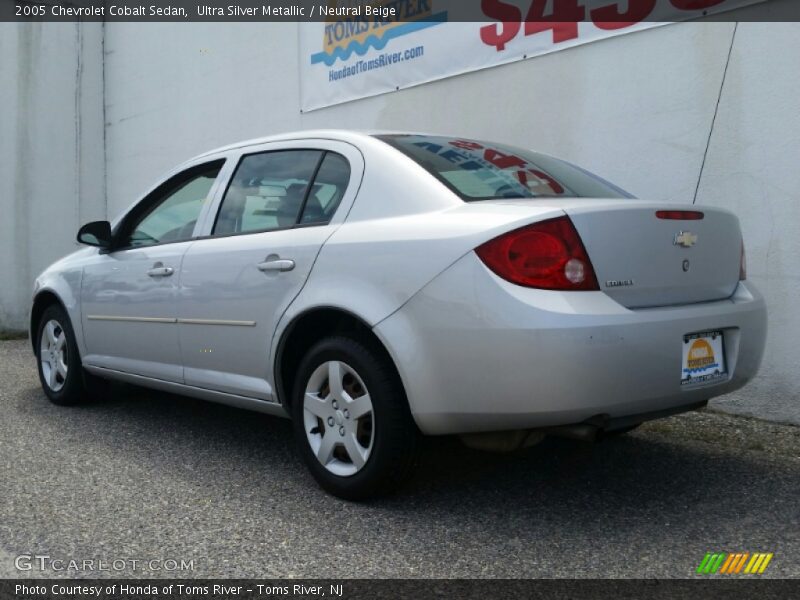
point(484, 170)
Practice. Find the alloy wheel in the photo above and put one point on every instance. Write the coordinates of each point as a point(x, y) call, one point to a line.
point(338, 418)
point(53, 355)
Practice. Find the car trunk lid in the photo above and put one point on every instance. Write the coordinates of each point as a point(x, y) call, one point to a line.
point(645, 259)
point(642, 260)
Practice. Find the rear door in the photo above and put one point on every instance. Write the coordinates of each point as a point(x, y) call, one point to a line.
point(280, 206)
point(129, 295)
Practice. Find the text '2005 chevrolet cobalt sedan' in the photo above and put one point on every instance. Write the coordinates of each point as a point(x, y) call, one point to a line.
point(377, 286)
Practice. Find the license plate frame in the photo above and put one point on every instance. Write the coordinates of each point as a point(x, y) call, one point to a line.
point(703, 358)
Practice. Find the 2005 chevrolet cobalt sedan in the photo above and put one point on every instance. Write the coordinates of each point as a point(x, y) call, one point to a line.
point(377, 286)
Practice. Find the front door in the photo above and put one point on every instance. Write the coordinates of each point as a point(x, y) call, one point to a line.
point(129, 295)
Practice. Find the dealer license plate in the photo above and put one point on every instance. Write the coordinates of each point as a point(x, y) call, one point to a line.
point(703, 358)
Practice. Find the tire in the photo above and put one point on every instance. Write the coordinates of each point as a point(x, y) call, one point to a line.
point(386, 438)
point(61, 373)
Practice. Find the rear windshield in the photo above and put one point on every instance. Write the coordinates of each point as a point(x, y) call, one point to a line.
point(484, 170)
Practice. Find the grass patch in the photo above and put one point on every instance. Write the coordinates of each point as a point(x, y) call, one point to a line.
point(728, 431)
point(13, 335)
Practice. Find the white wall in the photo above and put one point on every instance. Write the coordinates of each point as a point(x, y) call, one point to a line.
point(752, 168)
point(51, 150)
point(637, 109)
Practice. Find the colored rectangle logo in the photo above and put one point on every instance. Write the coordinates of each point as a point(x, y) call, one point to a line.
point(736, 563)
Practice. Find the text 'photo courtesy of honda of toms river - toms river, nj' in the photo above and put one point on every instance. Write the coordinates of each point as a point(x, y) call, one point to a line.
point(376, 287)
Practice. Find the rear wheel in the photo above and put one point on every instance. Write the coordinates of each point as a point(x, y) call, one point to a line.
point(60, 371)
point(351, 420)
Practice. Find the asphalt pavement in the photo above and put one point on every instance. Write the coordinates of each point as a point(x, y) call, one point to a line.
point(144, 476)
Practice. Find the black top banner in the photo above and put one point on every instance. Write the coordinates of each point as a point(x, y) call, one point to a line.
point(611, 12)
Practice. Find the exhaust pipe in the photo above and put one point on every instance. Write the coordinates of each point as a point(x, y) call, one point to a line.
point(589, 430)
point(502, 441)
point(583, 432)
point(508, 441)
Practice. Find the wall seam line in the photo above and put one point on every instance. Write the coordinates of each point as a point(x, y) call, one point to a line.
point(103, 97)
point(78, 119)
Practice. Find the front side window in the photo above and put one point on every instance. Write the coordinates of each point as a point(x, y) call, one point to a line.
point(267, 191)
point(484, 170)
point(171, 214)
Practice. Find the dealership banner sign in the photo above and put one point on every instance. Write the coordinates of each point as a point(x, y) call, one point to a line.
point(364, 49)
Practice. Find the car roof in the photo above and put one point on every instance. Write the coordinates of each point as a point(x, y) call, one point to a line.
point(343, 135)
point(330, 134)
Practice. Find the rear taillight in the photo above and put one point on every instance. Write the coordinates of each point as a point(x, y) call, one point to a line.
point(547, 255)
point(743, 265)
point(680, 215)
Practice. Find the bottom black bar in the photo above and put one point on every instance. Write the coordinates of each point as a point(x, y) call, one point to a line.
point(458, 589)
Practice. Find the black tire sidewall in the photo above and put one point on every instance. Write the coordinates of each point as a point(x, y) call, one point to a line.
point(394, 442)
point(71, 391)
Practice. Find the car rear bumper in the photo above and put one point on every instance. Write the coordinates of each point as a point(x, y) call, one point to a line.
point(477, 353)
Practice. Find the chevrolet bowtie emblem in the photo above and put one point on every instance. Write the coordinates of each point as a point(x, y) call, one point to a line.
point(685, 239)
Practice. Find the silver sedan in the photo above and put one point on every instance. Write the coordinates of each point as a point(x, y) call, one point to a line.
point(375, 287)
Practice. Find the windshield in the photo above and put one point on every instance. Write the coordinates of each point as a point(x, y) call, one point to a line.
point(484, 170)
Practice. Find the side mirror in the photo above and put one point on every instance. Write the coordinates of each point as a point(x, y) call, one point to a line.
point(96, 233)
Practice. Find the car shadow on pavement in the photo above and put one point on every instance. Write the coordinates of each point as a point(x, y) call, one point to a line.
point(205, 443)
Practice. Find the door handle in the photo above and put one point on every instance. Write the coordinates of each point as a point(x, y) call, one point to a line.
point(277, 264)
point(160, 271)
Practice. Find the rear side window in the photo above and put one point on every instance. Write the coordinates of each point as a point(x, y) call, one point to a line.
point(327, 191)
point(484, 170)
point(267, 191)
point(282, 189)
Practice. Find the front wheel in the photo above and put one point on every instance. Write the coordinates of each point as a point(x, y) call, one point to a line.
point(351, 420)
point(60, 370)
